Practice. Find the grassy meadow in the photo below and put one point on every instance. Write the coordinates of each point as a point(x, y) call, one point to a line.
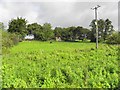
point(34, 64)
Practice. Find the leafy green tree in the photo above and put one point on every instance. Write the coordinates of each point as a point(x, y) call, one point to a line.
point(36, 30)
point(65, 34)
point(57, 31)
point(93, 31)
point(78, 32)
point(48, 32)
point(71, 33)
point(84, 33)
point(114, 38)
point(101, 27)
point(105, 28)
point(18, 26)
point(42, 33)
point(108, 28)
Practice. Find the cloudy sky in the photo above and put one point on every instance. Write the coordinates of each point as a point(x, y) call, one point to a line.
point(58, 13)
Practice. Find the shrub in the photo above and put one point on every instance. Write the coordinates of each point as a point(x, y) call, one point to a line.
point(8, 40)
point(114, 38)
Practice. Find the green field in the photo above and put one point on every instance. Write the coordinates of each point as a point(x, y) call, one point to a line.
point(60, 65)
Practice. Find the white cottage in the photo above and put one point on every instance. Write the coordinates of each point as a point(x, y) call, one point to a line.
point(29, 37)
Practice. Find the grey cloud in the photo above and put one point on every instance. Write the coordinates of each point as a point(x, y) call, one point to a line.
point(59, 13)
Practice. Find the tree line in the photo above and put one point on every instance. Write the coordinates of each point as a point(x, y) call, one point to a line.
point(19, 28)
point(45, 32)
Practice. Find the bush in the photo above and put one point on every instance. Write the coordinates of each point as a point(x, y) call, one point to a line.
point(114, 38)
point(8, 40)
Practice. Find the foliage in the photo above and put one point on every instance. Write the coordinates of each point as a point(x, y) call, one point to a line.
point(105, 29)
point(114, 38)
point(72, 33)
point(45, 32)
point(93, 31)
point(7, 39)
point(58, 32)
point(60, 65)
point(42, 33)
point(48, 32)
point(18, 26)
point(36, 30)
point(108, 28)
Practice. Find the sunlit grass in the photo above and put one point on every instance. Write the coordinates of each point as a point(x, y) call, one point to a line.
point(60, 64)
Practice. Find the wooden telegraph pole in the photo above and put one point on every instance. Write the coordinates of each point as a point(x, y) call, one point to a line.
point(96, 24)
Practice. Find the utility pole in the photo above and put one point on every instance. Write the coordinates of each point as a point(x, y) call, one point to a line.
point(96, 24)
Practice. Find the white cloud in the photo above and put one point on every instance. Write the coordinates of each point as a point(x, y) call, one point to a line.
point(59, 0)
point(58, 13)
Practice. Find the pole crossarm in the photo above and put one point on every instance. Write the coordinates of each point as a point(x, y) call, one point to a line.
point(96, 7)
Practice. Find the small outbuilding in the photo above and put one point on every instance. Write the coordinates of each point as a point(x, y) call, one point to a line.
point(29, 37)
point(58, 38)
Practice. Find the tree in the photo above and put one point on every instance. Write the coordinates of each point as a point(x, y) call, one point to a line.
point(84, 34)
point(42, 33)
point(65, 34)
point(78, 32)
point(105, 28)
point(48, 32)
point(58, 32)
point(18, 26)
point(114, 38)
point(108, 28)
point(68, 34)
point(36, 30)
point(71, 33)
point(93, 31)
point(101, 27)
point(1, 26)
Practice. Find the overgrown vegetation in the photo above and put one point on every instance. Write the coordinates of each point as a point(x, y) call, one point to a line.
point(114, 38)
point(7, 39)
point(61, 65)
